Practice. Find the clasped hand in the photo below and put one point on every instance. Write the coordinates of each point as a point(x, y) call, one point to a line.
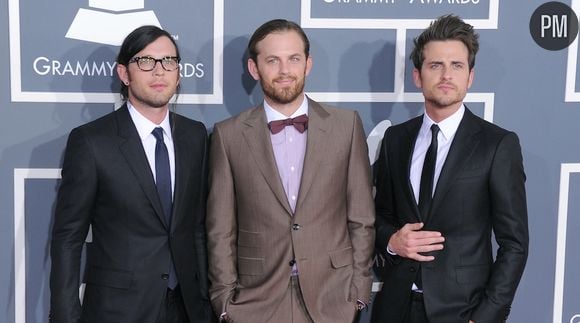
point(411, 242)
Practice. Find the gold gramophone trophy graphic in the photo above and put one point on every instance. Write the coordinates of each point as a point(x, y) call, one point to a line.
point(109, 21)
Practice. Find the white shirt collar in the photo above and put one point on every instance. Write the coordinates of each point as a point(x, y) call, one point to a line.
point(448, 127)
point(272, 114)
point(145, 126)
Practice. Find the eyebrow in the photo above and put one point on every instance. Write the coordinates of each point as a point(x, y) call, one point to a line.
point(441, 62)
point(277, 56)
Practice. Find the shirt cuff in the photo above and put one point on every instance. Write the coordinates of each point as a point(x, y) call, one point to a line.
point(360, 305)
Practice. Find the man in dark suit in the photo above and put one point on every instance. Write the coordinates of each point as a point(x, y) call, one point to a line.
point(290, 211)
point(138, 177)
point(445, 181)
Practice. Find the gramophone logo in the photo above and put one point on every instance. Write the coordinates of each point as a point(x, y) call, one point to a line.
point(109, 21)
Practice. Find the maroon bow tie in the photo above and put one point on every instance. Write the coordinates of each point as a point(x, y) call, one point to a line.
point(300, 123)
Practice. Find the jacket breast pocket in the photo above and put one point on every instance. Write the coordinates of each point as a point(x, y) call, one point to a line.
point(471, 173)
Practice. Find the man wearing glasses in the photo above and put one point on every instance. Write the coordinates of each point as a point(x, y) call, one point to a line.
point(138, 177)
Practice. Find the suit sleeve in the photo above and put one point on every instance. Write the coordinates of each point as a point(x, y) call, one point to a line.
point(72, 219)
point(510, 226)
point(200, 231)
point(221, 225)
point(386, 223)
point(360, 214)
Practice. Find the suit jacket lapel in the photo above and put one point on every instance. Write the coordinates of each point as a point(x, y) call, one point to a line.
point(317, 136)
point(257, 137)
point(182, 167)
point(464, 144)
point(408, 146)
point(133, 151)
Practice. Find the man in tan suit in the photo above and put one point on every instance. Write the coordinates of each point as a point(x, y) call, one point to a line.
point(290, 210)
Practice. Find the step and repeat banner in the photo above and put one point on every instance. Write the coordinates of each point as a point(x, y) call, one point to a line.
point(59, 72)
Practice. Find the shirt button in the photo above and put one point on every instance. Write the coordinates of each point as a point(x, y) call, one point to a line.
point(292, 168)
point(293, 197)
point(290, 139)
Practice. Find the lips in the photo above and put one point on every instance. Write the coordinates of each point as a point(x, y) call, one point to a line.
point(446, 87)
point(284, 81)
point(159, 86)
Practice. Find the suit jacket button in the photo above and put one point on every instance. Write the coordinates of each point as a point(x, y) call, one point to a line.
point(292, 262)
point(412, 269)
point(296, 227)
point(165, 276)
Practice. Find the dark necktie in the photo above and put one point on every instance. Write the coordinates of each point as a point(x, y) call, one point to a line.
point(428, 174)
point(163, 183)
point(426, 188)
point(300, 123)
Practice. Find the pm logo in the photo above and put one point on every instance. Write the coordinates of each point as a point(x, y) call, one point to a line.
point(114, 19)
point(63, 52)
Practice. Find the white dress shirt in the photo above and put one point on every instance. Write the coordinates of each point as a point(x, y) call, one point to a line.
point(145, 128)
point(448, 128)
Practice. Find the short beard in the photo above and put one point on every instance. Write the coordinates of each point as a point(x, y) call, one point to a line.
point(284, 95)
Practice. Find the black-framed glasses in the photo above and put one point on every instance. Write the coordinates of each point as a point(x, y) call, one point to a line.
point(147, 63)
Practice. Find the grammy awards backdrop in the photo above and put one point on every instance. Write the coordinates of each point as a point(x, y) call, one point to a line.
point(59, 71)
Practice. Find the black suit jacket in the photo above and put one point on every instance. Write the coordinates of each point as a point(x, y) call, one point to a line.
point(107, 183)
point(480, 190)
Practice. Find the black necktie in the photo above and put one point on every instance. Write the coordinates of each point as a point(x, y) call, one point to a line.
point(163, 183)
point(300, 123)
point(428, 174)
point(426, 188)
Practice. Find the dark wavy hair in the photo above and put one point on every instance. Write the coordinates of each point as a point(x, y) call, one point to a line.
point(448, 27)
point(273, 26)
point(135, 42)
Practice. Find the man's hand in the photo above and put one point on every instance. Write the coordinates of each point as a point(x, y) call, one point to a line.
point(410, 242)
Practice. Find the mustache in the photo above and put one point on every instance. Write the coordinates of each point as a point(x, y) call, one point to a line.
point(282, 78)
point(447, 84)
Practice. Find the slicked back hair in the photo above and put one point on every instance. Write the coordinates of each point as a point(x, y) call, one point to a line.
point(275, 26)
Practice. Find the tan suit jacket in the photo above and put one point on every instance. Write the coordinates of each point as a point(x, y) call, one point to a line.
point(253, 234)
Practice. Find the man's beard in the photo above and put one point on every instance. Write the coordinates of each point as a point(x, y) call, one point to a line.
point(283, 95)
point(153, 101)
point(444, 101)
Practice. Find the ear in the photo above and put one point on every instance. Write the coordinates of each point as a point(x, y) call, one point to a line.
point(123, 73)
point(308, 65)
point(253, 69)
point(417, 77)
point(471, 76)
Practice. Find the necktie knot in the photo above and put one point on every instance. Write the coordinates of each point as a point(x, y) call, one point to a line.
point(158, 133)
point(434, 131)
point(300, 123)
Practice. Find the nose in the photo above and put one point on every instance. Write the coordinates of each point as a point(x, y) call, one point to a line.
point(158, 68)
point(446, 73)
point(283, 67)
